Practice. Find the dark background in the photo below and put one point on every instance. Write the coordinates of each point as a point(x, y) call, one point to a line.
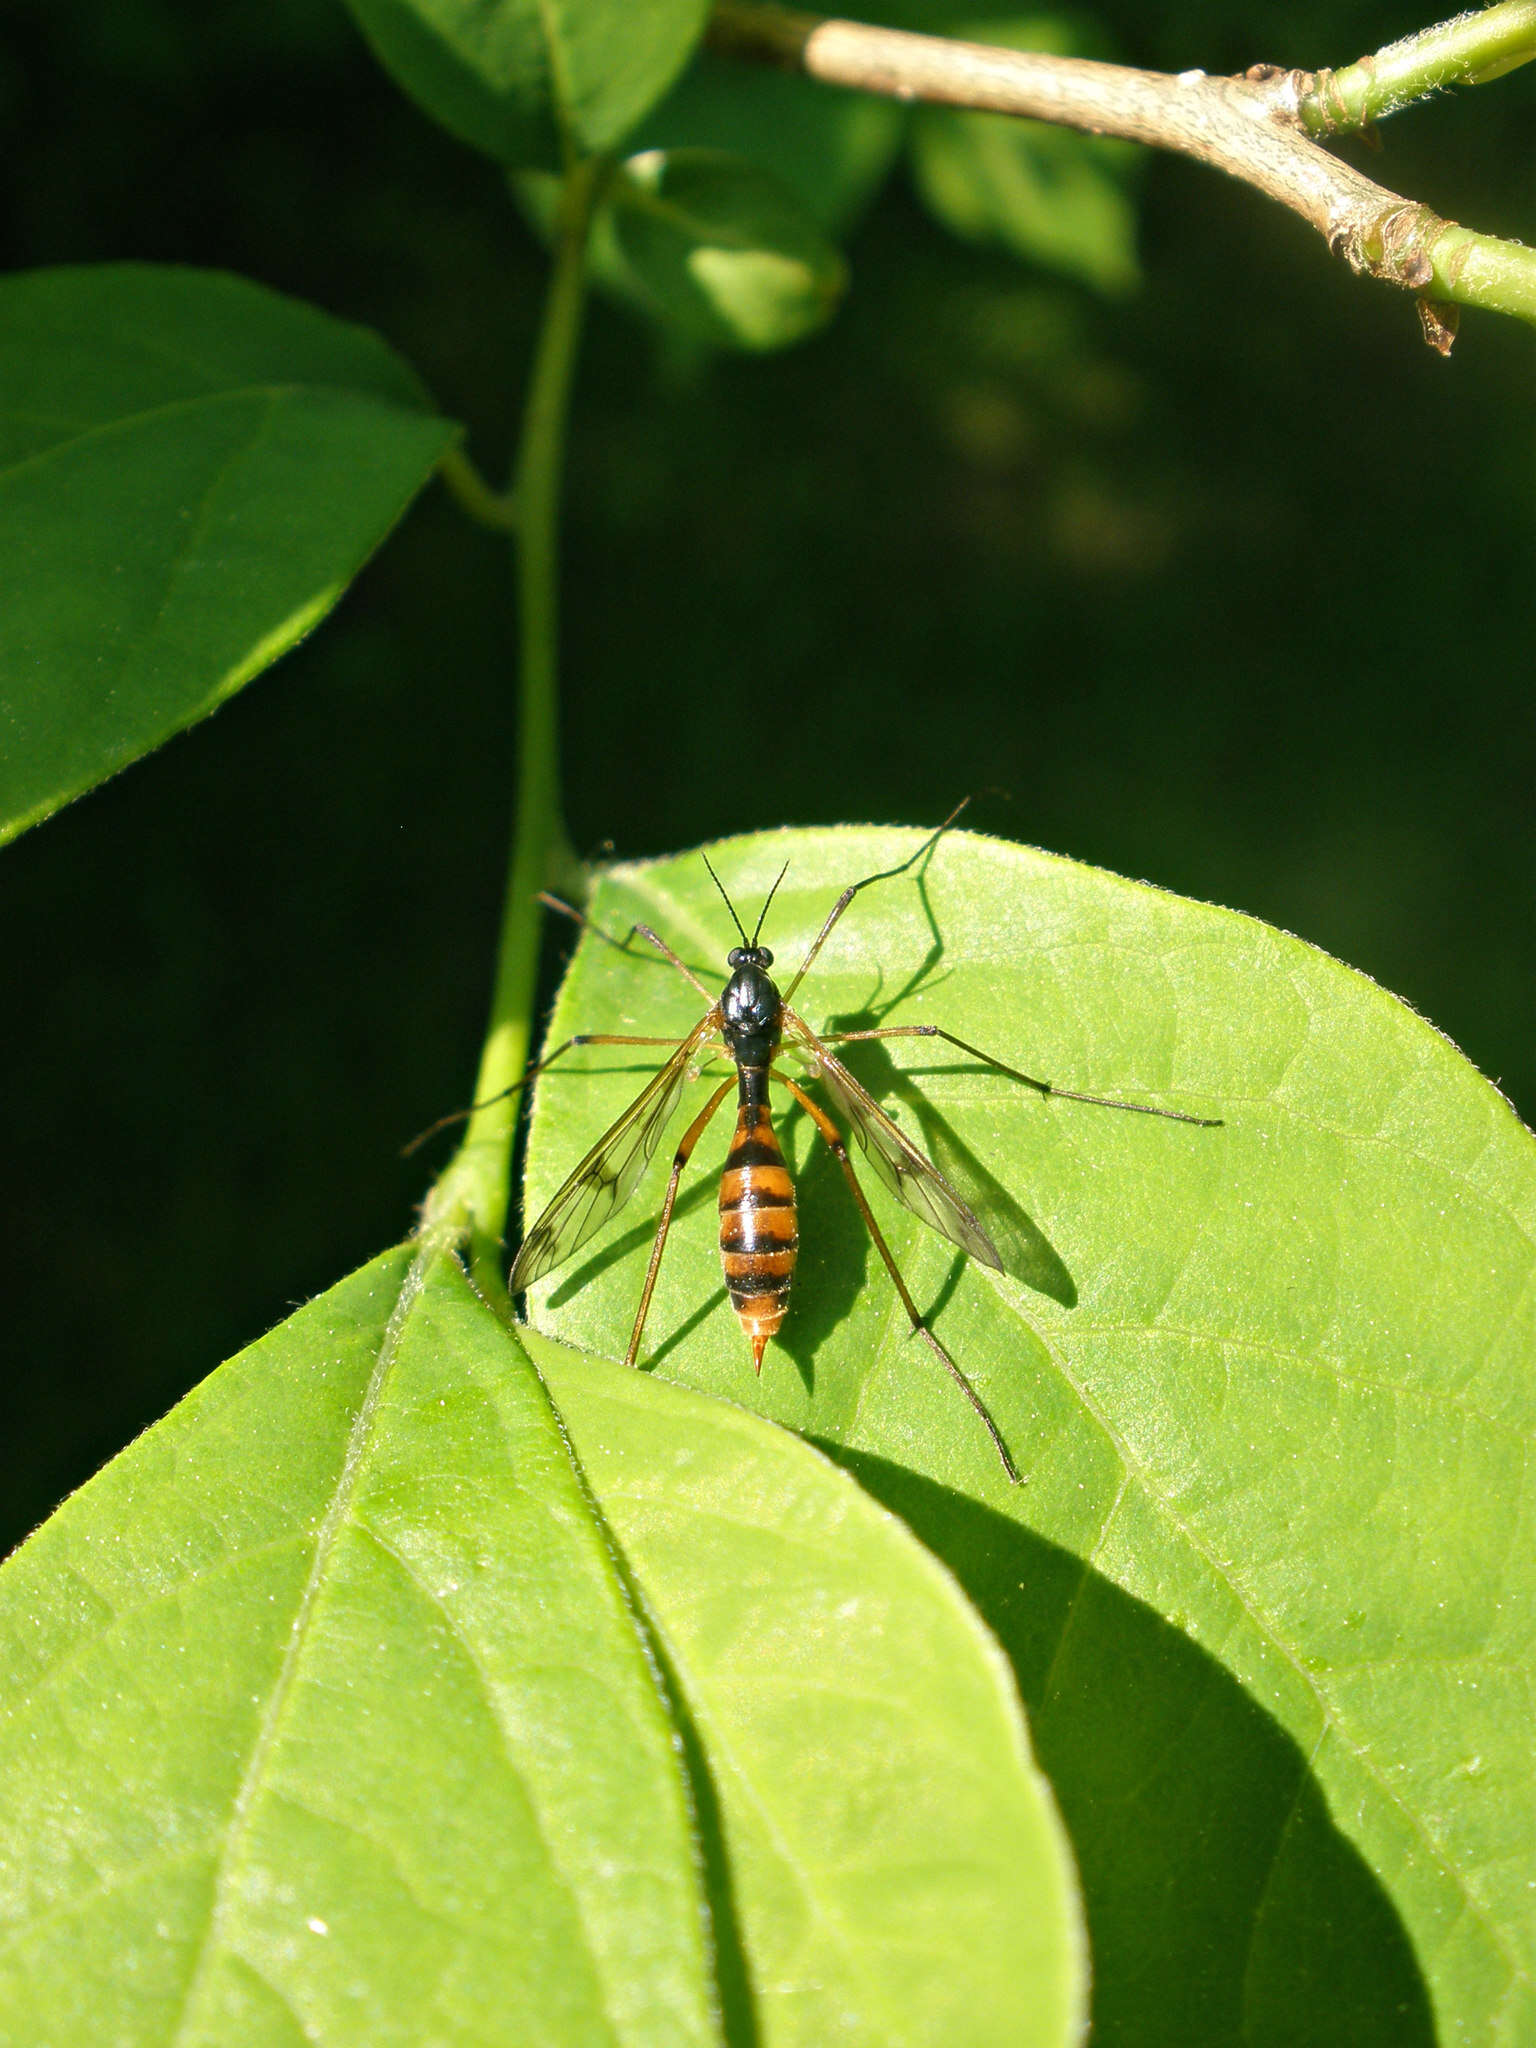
point(1231, 585)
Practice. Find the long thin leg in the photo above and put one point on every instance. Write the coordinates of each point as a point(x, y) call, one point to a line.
point(680, 1159)
point(621, 945)
point(885, 875)
point(834, 1138)
point(1177, 1116)
point(457, 1116)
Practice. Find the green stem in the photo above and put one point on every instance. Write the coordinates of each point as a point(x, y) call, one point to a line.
point(495, 509)
point(472, 1197)
point(1481, 270)
point(1468, 51)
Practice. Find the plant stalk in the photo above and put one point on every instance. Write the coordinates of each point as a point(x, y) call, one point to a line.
point(1257, 127)
point(474, 495)
point(472, 1198)
point(1472, 49)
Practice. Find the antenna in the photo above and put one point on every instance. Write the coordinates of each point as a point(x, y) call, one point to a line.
point(783, 871)
point(730, 906)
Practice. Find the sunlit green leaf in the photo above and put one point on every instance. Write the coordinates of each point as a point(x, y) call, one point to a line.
point(328, 1713)
point(1266, 1587)
point(521, 79)
point(896, 1871)
point(192, 470)
point(721, 248)
point(324, 1717)
point(706, 244)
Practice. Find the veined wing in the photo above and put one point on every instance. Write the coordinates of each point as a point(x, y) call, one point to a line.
point(913, 1179)
point(610, 1173)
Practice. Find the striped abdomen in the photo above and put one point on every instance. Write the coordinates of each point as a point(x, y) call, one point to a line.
point(759, 1234)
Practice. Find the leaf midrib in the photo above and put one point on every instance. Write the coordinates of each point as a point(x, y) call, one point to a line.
point(153, 415)
point(236, 1835)
point(1319, 1368)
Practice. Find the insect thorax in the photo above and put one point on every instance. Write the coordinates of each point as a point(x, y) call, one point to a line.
point(751, 1008)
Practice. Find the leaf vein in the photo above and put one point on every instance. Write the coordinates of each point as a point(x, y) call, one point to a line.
point(264, 1744)
point(1328, 1709)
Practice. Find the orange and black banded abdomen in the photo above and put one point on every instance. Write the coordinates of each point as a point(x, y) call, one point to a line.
point(759, 1230)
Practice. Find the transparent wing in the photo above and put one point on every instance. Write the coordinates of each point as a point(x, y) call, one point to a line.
point(913, 1179)
point(610, 1173)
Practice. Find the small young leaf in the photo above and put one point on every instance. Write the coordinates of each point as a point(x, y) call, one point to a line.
point(325, 1717)
point(525, 80)
point(721, 248)
point(192, 470)
point(1266, 1586)
point(1053, 197)
point(895, 1862)
point(831, 149)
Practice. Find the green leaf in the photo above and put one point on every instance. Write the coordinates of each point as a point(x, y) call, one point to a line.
point(1055, 198)
point(719, 247)
point(529, 80)
point(707, 243)
point(1267, 1587)
point(327, 1714)
point(192, 470)
point(894, 1857)
point(831, 149)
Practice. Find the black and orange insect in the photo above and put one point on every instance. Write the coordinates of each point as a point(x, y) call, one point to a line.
point(752, 1024)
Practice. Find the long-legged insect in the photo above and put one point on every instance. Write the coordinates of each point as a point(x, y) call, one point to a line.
point(752, 1024)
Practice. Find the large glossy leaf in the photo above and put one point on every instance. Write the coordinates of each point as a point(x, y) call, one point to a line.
point(1268, 1587)
point(895, 1868)
point(324, 1717)
point(328, 1714)
point(192, 470)
point(526, 80)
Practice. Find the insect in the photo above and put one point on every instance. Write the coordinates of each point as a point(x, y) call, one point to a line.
point(754, 1025)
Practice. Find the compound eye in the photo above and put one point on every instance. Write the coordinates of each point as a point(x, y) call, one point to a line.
point(736, 957)
point(764, 957)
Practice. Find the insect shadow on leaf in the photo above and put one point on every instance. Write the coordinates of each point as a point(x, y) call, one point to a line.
point(1027, 1253)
